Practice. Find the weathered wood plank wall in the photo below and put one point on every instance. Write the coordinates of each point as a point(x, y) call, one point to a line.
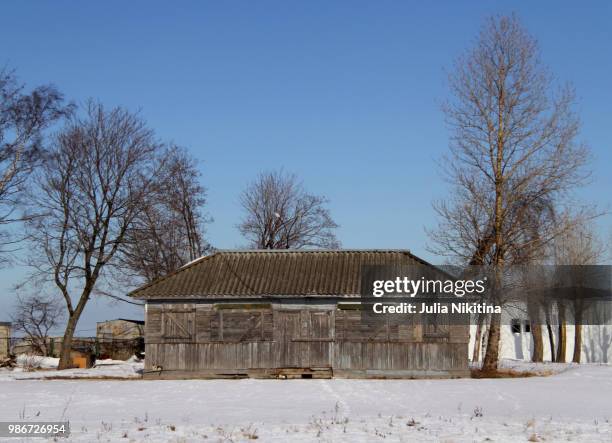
point(202, 338)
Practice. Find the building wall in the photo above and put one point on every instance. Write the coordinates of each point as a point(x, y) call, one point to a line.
point(189, 339)
point(596, 343)
point(119, 329)
point(5, 333)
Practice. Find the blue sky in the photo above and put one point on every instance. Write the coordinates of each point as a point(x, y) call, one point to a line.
point(345, 94)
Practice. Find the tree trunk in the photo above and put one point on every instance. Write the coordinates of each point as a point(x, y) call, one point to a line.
point(478, 338)
point(65, 360)
point(551, 341)
point(494, 336)
point(562, 341)
point(492, 353)
point(538, 344)
point(577, 340)
point(493, 339)
point(46, 347)
point(533, 310)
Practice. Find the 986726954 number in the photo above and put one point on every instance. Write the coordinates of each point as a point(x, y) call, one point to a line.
point(34, 429)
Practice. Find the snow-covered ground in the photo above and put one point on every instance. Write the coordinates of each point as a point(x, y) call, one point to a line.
point(34, 367)
point(572, 405)
point(513, 366)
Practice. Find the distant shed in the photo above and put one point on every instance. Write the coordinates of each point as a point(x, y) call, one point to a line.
point(119, 339)
point(289, 314)
point(120, 328)
point(5, 339)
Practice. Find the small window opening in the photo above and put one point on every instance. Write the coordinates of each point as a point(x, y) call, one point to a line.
point(527, 326)
point(515, 325)
point(306, 375)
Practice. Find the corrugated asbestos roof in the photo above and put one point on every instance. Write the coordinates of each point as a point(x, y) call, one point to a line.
point(257, 273)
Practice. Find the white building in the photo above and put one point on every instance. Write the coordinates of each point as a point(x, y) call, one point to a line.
point(517, 341)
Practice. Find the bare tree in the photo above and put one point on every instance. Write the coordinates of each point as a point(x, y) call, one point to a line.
point(579, 246)
point(35, 316)
point(169, 232)
point(99, 172)
point(23, 118)
point(514, 155)
point(280, 214)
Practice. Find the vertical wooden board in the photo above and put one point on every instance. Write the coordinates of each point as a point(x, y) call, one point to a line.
point(381, 353)
point(170, 356)
point(461, 352)
point(396, 356)
point(243, 354)
point(161, 353)
point(374, 356)
point(249, 351)
point(362, 355)
point(408, 355)
point(305, 327)
point(418, 360)
point(339, 325)
point(276, 352)
point(216, 326)
point(357, 352)
point(430, 354)
point(192, 359)
point(342, 355)
point(202, 355)
point(165, 352)
point(203, 318)
point(267, 355)
point(390, 353)
point(336, 363)
point(287, 328)
point(153, 322)
point(367, 356)
point(268, 325)
point(418, 331)
point(226, 354)
point(255, 350)
point(181, 357)
point(151, 356)
point(218, 355)
point(211, 356)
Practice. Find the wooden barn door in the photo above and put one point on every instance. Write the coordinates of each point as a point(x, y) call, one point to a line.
point(320, 339)
point(305, 338)
point(178, 324)
point(287, 329)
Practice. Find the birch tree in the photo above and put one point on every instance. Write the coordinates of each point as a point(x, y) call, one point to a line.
point(579, 246)
point(514, 155)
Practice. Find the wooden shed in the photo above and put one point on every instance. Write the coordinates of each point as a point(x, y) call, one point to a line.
point(282, 313)
point(119, 329)
point(5, 339)
point(119, 339)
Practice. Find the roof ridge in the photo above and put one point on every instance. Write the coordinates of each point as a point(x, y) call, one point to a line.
point(253, 252)
point(295, 251)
